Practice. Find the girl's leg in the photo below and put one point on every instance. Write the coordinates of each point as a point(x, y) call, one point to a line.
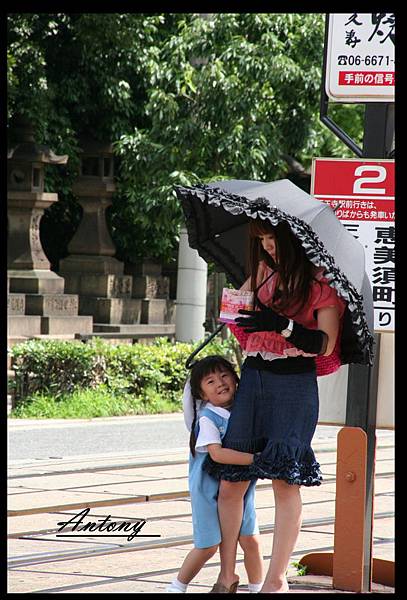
point(194, 562)
point(230, 510)
point(253, 559)
point(286, 529)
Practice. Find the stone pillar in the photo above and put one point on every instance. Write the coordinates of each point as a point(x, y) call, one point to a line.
point(191, 293)
point(37, 303)
point(91, 270)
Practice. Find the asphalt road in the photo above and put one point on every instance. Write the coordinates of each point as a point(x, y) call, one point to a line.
point(41, 439)
point(119, 435)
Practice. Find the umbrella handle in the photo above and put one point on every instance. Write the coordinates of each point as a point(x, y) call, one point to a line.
point(188, 364)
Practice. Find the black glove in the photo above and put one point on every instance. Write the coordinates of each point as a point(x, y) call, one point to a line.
point(261, 320)
point(313, 341)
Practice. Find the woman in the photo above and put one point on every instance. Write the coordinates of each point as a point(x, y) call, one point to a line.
point(276, 406)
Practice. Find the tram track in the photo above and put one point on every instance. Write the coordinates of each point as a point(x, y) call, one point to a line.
point(139, 465)
point(148, 576)
point(140, 498)
point(36, 534)
point(56, 556)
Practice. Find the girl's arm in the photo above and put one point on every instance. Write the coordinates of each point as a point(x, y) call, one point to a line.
point(227, 456)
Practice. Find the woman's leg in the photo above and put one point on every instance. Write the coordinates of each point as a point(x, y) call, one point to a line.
point(286, 529)
point(253, 559)
point(194, 562)
point(230, 511)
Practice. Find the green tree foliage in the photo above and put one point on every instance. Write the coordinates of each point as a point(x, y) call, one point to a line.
point(185, 98)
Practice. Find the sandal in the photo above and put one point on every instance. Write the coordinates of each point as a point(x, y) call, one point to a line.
point(219, 588)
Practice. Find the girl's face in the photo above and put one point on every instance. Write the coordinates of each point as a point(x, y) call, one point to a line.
point(268, 242)
point(218, 388)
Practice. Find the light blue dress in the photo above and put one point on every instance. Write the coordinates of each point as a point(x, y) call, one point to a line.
point(204, 493)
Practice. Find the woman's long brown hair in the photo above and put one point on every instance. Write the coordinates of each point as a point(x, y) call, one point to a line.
point(295, 271)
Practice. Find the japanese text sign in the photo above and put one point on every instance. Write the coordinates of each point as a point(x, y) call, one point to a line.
point(362, 194)
point(360, 57)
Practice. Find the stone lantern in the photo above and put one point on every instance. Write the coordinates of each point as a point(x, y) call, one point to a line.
point(26, 204)
point(92, 248)
point(37, 304)
point(91, 269)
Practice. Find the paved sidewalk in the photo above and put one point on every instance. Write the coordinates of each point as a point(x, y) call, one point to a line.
point(155, 487)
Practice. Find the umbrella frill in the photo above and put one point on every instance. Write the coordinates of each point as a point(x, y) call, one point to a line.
point(295, 465)
point(315, 250)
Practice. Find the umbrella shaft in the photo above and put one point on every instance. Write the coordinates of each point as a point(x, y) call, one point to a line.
point(217, 330)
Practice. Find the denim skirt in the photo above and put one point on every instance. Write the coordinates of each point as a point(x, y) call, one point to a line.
point(274, 416)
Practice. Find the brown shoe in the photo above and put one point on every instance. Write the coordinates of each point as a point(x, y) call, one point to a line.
point(219, 588)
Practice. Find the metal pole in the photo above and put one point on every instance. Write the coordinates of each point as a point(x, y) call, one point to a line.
point(361, 403)
point(361, 408)
point(378, 130)
point(324, 103)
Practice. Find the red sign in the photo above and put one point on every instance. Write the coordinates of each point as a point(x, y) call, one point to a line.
point(359, 190)
point(365, 78)
point(362, 194)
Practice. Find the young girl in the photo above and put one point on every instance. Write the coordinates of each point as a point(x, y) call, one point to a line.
point(296, 322)
point(209, 396)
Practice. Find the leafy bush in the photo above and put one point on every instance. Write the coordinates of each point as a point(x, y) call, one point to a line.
point(56, 366)
point(54, 378)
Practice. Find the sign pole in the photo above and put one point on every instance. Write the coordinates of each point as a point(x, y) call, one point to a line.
point(361, 403)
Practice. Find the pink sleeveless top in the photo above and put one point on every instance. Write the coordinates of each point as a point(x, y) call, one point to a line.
point(271, 345)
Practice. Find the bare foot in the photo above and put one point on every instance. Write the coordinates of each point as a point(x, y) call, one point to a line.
point(275, 587)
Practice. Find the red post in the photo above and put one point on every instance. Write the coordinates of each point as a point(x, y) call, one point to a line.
point(348, 559)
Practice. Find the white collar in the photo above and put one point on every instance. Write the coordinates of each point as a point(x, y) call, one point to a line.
point(219, 410)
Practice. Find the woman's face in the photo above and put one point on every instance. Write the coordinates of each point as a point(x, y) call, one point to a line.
point(268, 242)
point(218, 388)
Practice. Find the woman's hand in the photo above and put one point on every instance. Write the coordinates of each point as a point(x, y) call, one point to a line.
point(261, 320)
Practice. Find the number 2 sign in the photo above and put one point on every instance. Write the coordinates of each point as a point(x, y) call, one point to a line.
point(381, 175)
point(362, 194)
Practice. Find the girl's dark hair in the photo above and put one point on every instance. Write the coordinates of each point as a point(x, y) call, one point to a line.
point(199, 370)
point(295, 271)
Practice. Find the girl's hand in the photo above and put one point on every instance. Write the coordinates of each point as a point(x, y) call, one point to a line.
point(261, 320)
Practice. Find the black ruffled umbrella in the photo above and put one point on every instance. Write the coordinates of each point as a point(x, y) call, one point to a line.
point(217, 217)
